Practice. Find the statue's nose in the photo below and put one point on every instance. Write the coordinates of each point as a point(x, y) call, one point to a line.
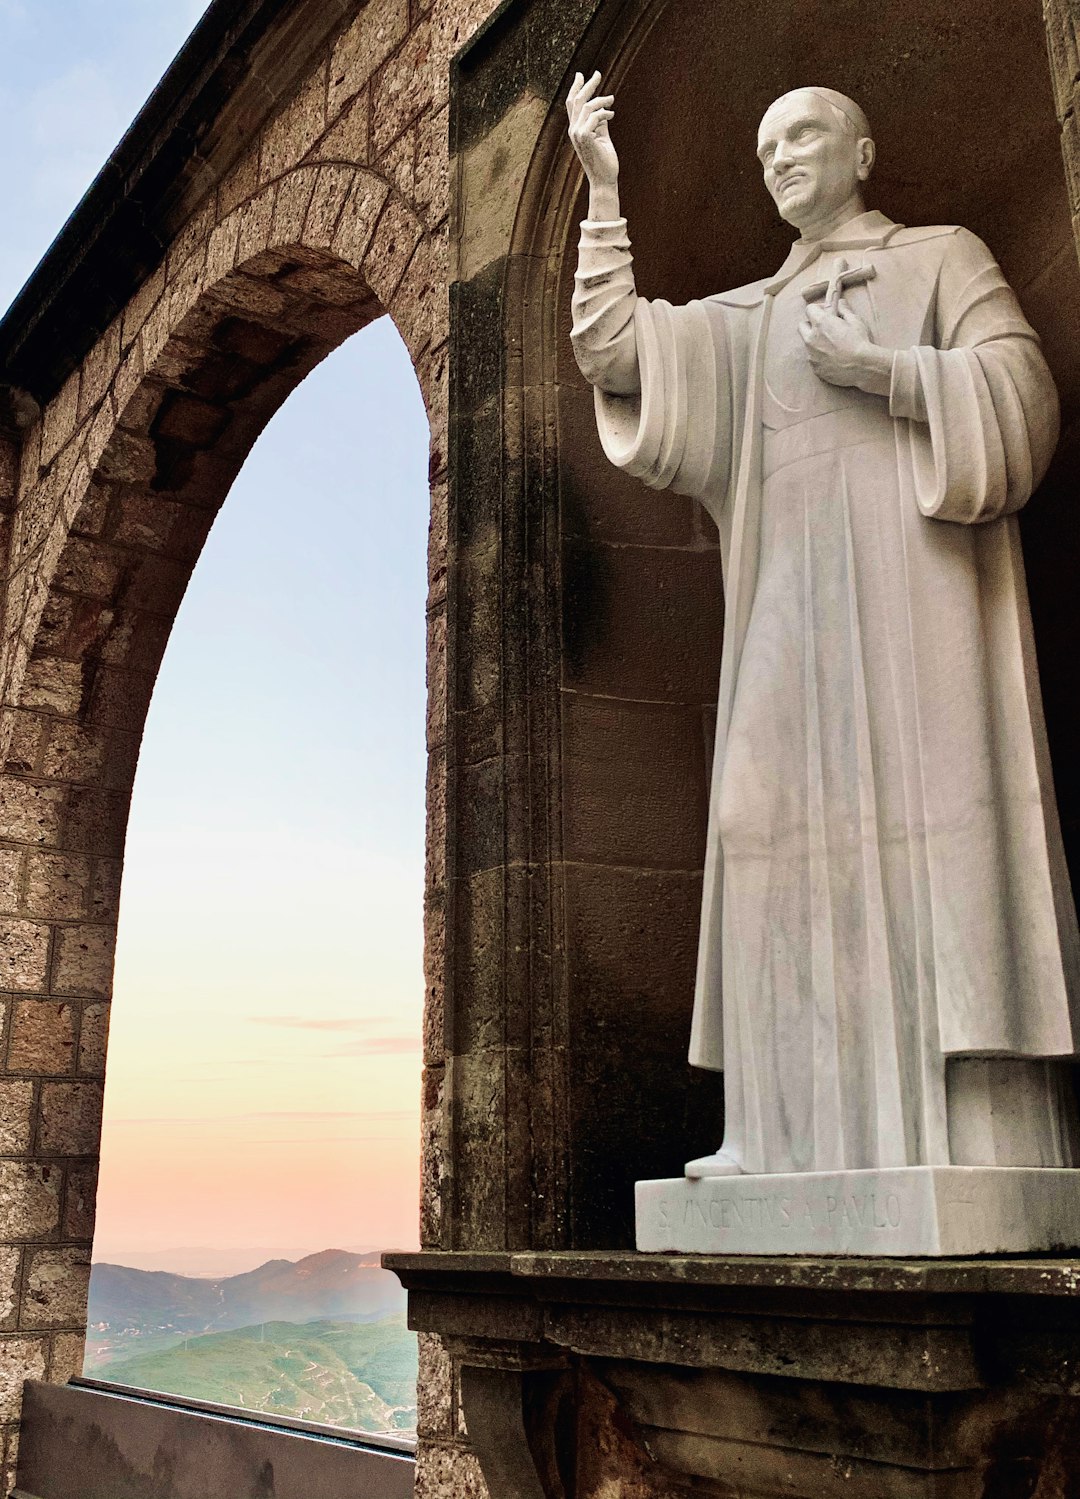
point(781, 156)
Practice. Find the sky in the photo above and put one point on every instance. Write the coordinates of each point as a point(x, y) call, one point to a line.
point(263, 1082)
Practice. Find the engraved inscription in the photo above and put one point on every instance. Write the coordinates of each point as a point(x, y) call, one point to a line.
point(727, 1212)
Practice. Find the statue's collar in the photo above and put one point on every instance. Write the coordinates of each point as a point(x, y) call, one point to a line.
point(866, 231)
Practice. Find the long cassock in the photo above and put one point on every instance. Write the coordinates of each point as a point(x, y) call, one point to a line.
point(885, 887)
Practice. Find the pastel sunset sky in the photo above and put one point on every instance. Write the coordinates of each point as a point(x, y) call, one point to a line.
point(263, 1086)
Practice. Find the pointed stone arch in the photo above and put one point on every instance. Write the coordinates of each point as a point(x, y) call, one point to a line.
point(130, 465)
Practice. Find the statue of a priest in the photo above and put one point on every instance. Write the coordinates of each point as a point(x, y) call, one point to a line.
point(887, 916)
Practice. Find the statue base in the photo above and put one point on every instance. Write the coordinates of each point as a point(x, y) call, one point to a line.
point(953, 1211)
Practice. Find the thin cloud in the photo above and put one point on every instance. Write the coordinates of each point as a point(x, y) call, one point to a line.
point(305, 1140)
point(377, 1046)
point(311, 1116)
point(305, 1023)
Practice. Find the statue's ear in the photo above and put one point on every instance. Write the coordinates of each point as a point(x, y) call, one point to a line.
point(867, 152)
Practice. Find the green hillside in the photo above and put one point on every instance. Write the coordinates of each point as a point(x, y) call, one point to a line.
point(338, 1373)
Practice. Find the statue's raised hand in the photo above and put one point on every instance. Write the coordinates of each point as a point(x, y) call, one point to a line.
point(589, 114)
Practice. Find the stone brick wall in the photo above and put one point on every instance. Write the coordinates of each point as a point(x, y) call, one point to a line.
point(336, 212)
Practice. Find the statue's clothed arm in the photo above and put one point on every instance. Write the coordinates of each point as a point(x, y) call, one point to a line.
point(981, 405)
point(665, 379)
point(603, 335)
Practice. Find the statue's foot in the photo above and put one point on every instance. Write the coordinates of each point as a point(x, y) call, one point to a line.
point(720, 1164)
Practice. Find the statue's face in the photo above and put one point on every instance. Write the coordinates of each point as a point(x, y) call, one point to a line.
point(813, 163)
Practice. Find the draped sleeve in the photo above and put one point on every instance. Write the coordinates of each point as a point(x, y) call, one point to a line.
point(980, 408)
point(665, 378)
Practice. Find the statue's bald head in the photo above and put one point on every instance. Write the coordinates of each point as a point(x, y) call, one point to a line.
point(850, 116)
point(816, 151)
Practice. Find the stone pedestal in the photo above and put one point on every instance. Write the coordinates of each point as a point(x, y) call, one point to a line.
point(583, 1376)
point(917, 1210)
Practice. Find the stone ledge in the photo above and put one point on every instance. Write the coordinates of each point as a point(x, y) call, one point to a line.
point(1042, 1276)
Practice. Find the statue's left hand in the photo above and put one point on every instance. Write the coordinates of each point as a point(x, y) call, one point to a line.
point(841, 351)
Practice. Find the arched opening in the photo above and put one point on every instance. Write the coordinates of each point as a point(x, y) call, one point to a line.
point(261, 1128)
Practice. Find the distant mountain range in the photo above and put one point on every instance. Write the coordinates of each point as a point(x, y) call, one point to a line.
point(332, 1285)
point(322, 1338)
point(215, 1261)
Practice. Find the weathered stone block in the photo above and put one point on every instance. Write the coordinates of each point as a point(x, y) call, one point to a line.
point(436, 679)
point(435, 855)
point(54, 684)
point(10, 1257)
point(57, 1281)
point(79, 1202)
point(89, 519)
point(58, 423)
point(398, 164)
point(24, 743)
point(145, 520)
point(95, 820)
point(241, 184)
point(191, 238)
point(403, 88)
point(126, 383)
point(84, 961)
point(433, 372)
point(141, 305)
point(295, 130)
point(434, 966)
point(434, 1158)
point(221, 250)
point(291, 206)
point(359, 217)
point(105, 889)
point(99, 368)
point(420, 306)
point(255, 220)
point(348, 139)
point(449, 1471)
point(332, 187)
point(396, 236)
point(67, 1355)
point(70, 1119)
point(438, 537)
point(20, 1359)
point(90, 568)
point(24, 954)
point(42, 1037)
point(435, 1388)
point(29, 1199)
point(432, 182)
point(93, 1039)
point(377, 30)
point(157, 585)
point(11, 860)
point(72, 754)
point(16, 1116)
point(57, 885)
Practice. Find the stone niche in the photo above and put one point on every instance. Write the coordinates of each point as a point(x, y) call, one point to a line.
point(585, 627)
point(587, 612)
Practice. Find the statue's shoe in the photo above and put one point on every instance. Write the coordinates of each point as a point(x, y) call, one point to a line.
point(713, 1165)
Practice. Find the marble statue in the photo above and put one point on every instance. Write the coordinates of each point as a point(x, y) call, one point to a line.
point(889, 963)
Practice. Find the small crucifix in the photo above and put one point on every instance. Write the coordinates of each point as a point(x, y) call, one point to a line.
point(842, 277)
